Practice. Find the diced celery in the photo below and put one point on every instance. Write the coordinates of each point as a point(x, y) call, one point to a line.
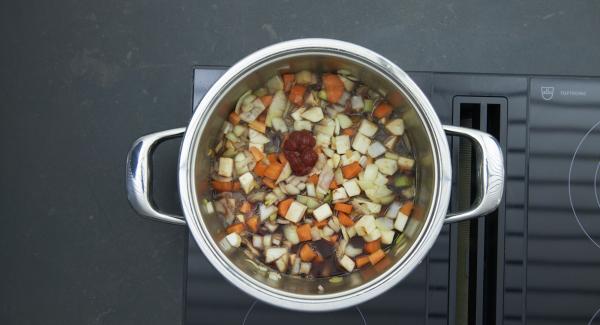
point(368, 105)
point(402, 181)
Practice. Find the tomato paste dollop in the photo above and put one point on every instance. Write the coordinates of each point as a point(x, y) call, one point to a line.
point(300, 153)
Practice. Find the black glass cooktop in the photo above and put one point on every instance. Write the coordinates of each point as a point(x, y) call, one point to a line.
point(534, 261)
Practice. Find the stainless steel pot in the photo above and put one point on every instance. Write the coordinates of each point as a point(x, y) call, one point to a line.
point(423, 127)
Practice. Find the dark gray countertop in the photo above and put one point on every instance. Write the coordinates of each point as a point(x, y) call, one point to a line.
point(81, 80)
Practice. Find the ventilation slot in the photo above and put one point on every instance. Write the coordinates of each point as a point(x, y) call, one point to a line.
point(475, 259)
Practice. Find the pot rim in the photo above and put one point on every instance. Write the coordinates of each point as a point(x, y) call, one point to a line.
point(322, 302)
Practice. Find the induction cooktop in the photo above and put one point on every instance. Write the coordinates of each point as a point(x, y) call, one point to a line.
point(536, 260)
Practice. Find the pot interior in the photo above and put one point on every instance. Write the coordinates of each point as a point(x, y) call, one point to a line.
point(417, 131)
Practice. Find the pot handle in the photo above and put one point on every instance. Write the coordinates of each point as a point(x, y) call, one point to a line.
point(490, 173)
point(138, 176)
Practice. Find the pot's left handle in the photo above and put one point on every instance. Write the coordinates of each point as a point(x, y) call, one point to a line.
point(138, 176)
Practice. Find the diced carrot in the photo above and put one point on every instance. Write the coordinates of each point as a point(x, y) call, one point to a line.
point(273, 170)
point(351, 170)
point(372, 246)
point(382, 110)
point(370, 160)
point(236, 186)
point(362, 260)
point(343, 207)
point(284, 206)
point(320, 224)
point(349, 132)
point(236, 227)
point(406, 208)
point(318, 150)
point(333, 238)
point(296, 96)
point(333, 185)
point(223, 186)
point(258, 126)
point(234, 118)
point(282, 158)
point(269, 182)
point(307, 253)
point(304, 232)
point(266, 100)
point(376, 256)
point(260, 168)
point(345, 219)
point(257, 154)
point(246, 207)
point(333, 86)
point(272, 157)
point(288, 80)
point(314, 179)
point(252, 223)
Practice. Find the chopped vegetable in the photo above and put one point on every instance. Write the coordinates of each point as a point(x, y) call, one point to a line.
point(295, 212)
point(367, 128)
point(289, 231)
point(314, 114)
point(273, 170)
point(307, 253)
point(362, 261)
point(402, 181)
point(406, 163)
point(236, 227)
point(246, 207)
point(304, 77)
point(258, 126)
point(387, 237)
point(277, 108)
point(376, 149)
point(323, 212)
point(234, 239)
point(407, 208)
point(304, 232)
point(247, 182)
point(284, 206)
point(351, 170)
point(256, 153)
point(361, 143)
point(400, 222)
point(386, 166)
point(352, 188)
point(275, 83)
point(372, 246)
point(345, 220)
point(252, 223)
point(288, 80)
point(225, 186)
point(266, 100)
point(225, 167)
point(376, 256)
point(296, 96)
point(342, 144)
point(342, 207)
point(234, 118)
point(395, 127)
point(382, 110)
point(334, 87)
point(347, 263)
point(274, 253)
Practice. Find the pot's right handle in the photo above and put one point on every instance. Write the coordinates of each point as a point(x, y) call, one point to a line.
point(138, 176)
point(490, 173)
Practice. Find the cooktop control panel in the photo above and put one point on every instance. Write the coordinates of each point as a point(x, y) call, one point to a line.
point(535, 260)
